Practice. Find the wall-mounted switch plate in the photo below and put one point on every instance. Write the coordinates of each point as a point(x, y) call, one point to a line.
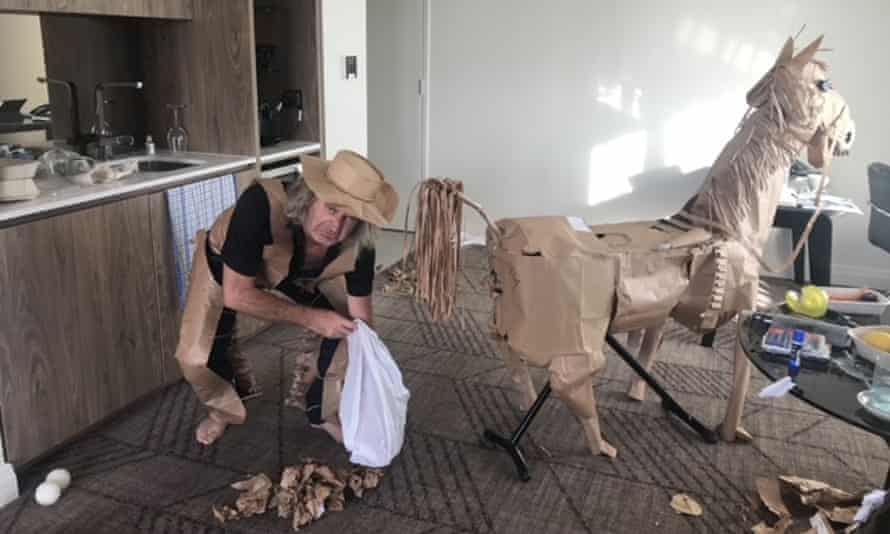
point(351, 67)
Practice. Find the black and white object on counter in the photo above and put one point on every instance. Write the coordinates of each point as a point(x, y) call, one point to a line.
point(17, 180)
point(284, 169)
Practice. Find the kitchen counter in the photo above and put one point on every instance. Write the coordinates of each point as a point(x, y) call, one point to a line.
point(58, 195)
point(287, 150)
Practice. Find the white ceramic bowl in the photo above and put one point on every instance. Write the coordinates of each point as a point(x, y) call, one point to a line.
point(864, 349)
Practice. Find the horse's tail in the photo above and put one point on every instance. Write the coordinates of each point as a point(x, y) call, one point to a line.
point(437, 242)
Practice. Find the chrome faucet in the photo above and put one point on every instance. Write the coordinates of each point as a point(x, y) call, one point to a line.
point(101, 147)
point(73, 109)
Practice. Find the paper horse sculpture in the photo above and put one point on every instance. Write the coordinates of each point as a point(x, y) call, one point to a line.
point(559, 291)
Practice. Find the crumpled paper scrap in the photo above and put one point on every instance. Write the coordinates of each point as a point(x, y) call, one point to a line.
point(304, 494)
point(797, 501)
point(686, 505)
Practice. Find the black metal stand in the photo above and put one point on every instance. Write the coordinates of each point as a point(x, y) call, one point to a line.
point(667, 402)
point(707, 340)
point(511, 444)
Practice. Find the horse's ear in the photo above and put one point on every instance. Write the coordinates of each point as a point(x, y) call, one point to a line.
point(803, 58)
point(787, 52)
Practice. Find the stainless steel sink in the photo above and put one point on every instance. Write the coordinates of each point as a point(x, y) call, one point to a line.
point(163, 165)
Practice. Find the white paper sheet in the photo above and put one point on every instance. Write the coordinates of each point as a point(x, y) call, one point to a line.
point(578, 224)
point(777, 389)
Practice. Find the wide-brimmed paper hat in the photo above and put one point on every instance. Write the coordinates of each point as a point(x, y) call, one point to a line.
point(353, 184)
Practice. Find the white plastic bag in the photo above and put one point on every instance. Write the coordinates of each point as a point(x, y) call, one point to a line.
point(374, 401)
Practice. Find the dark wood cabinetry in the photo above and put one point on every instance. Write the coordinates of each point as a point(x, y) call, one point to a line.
point(80, 335)
point(164, 9)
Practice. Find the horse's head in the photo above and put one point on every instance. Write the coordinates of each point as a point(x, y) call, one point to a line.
point(798, 89)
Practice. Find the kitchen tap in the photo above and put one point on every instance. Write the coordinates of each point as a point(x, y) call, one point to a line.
point(101, 147)
point(73, 109)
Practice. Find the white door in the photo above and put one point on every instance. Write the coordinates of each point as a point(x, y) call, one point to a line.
point(395, 103)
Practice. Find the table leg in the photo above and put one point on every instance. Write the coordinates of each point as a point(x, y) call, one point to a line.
point(819, 245)
point(796, 233)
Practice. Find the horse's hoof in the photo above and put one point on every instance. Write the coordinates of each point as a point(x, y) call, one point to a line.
point(741, 435)
point(606, 449)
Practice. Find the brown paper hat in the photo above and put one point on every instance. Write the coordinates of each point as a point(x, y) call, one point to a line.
point(354, 184)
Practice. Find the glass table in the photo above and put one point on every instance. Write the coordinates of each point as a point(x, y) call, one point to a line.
point(827, 388)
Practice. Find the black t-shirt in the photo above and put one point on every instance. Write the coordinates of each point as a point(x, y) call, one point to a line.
point(249, 232)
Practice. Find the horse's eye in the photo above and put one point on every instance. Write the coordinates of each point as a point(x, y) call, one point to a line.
point(824, 85)
point(848, 138)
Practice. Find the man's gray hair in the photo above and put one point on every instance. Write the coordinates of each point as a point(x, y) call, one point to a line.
point(300, 199)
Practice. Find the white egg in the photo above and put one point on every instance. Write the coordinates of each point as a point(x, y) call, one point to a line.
point(61, 477)
point(47, 494)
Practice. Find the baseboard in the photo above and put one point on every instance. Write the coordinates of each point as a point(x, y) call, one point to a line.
point(856, 275)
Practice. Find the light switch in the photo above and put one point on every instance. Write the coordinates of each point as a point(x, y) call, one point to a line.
point(351, 67)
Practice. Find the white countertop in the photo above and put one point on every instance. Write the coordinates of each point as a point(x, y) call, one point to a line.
point(58, 195)
point(287, 150)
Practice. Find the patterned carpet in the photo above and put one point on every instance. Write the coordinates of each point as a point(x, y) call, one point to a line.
point(143, 471)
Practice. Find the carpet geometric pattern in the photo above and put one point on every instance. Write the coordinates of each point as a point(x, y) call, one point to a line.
point(142, 471)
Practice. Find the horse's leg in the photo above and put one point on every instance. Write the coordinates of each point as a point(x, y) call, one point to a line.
point(521, 379)
point(571, 377)
point(651, 344)
point(634, 337)
point(731, 427)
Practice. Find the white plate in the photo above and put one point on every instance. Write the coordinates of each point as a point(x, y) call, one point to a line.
point(852, 306)
point(866, 400)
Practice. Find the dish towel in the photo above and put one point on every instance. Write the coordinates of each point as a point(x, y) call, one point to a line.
point(194, 207)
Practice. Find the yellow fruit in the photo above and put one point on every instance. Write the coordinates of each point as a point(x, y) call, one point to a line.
point(812, 301)
point(878, 340)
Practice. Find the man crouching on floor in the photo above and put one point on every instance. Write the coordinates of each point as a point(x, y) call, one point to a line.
point(301, 254)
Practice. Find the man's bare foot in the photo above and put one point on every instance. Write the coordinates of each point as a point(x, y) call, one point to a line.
point(209, 430)
point(333, 429)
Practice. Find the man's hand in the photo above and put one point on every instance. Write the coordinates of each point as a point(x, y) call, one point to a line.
point(330, 324)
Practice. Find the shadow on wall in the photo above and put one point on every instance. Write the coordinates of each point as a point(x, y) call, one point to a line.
point(654, 149)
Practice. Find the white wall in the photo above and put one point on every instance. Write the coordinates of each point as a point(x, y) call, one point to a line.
point(345, 101)
point(21, 34)
point(605, 109)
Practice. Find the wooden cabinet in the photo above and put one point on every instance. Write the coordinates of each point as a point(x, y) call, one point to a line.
point(169, 311)
point(162, 9)
point(80, 338)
